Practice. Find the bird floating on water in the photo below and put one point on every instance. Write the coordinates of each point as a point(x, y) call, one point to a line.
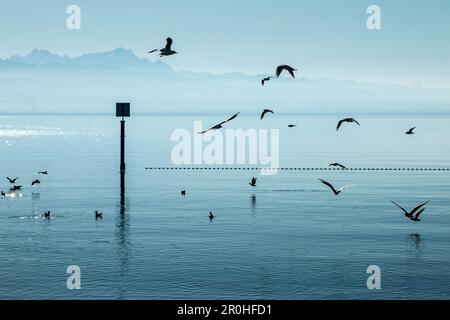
point(167, 50)
point(220, 125)
point(12, 180)
point(337, 165)
point(98, 215)
point(410, 131)
point(287, 68)
point(335, 192)
point(410, 214)
point(37, 181)
point(349, 120)
point(253, 183)
point(266, 111)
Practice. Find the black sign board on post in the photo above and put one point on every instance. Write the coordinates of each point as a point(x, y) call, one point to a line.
point(122, 109)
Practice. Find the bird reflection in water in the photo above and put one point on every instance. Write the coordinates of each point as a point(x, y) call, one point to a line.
point(253, 198)
point(123, 243)
point(417, 242)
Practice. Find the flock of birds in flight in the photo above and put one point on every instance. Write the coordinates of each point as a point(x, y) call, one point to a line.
point(413, 215)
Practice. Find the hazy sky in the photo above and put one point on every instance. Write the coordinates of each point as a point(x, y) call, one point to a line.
point(323, 38)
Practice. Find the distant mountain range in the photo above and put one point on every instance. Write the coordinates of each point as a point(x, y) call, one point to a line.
point(118, 58)
point(45, 82)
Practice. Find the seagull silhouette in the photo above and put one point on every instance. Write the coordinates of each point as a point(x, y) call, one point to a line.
point(167, 50)
point(335, 192)
point(211, 216)
point(2, 194)
point(98, 215)
point(219, 126)
point(337, 165)
point(35, 182)
point(282, 68)
point(12, 180)
point(47, 215)
point(16, 188)
point(292, 125)
point(410, 214)
point(263, 81)
point(253, 183)
point(410, 131)
point(265, 111)
point(350, 120)
point(42, 172)
point(183, 192)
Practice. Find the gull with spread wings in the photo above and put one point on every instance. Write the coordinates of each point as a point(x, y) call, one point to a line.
point(350, 120)
point(220, 125)
point(167, 50)
point(335, 192)
point(410, 214)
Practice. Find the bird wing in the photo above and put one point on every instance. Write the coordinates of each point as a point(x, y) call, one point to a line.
point(168, 44)
point(279, 70)
point(345, 187)
point(262, 81)
point(356, 122)
point(10, 180)
point(231, 118)
point(339, 124)
point(419, 213)
point(328, 184)
point(418, 207)
point(291, 71)
point(205, 131)
point(406, 212)
point(154, 50)
point(263, 114)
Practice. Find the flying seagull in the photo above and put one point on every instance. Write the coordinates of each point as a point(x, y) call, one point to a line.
point(265, 112)
point(350, 120)
point(211, 216)
point(98, 215)
point(167, 50)
point(337, 165)
point(289, 69)
point(292, 125)
point(47, 214)
point(410, 131)
point(263, 81)
point(219, 126)
point(336, 192)
point(12, 180)
point(42, 172)
point(410, 215)
point(183, 192)
point(253, 183)
point(35, 182)
point(16, 188)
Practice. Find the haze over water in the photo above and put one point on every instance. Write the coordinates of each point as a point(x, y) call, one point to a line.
point(288, 238)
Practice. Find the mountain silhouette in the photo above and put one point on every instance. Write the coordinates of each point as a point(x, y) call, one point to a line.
point(117, 58)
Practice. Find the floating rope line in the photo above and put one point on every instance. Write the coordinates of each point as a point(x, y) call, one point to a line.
point(295, 169)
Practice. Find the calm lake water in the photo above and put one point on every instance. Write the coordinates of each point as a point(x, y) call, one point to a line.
point(288, 238)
